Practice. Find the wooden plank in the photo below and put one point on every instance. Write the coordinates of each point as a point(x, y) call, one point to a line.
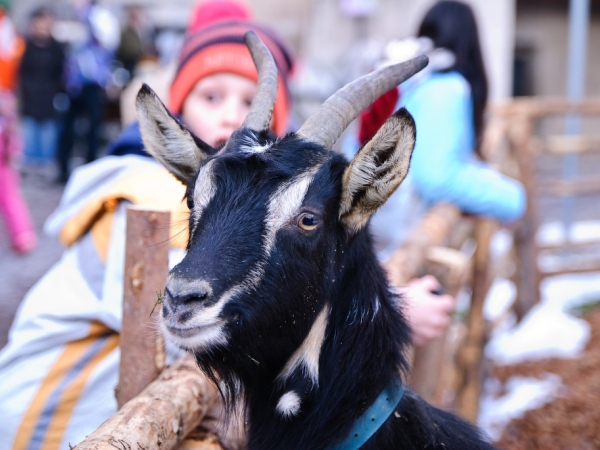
point(146, 269)
point(535, 107)
point(595, 267)
point(161, 415)
point(571, 143)
point(567, 188)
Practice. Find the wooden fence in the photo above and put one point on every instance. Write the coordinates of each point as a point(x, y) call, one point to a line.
point(173, 405)
point(517, 127)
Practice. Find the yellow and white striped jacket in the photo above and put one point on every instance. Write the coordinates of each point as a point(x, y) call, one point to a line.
point(60, 367)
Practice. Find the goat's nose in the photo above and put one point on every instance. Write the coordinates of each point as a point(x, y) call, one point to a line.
point(182, 292)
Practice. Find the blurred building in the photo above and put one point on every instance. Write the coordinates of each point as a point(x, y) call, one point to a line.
point(541, 48)
point(525, 41)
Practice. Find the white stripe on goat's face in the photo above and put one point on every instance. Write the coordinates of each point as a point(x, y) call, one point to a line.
point(204, 191)
point(284, 205)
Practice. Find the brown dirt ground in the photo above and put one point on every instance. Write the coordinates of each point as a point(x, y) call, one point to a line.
point(570, 422)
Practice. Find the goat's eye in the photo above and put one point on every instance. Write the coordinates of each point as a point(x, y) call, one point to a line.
point(190, 203)
point(308, 221)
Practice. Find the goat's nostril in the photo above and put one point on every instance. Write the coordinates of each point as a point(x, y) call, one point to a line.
point(185, 316)
point(189, 298)
point(181, 292)
point(194, 298)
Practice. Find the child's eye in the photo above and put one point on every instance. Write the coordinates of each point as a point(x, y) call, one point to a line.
point(211, 97)
point(248, 102)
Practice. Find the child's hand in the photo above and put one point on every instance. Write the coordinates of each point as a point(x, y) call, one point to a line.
point(428, 312)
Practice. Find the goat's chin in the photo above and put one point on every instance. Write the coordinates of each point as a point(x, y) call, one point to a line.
point(195, 338)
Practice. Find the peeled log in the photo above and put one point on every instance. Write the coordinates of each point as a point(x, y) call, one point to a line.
point(162, 415)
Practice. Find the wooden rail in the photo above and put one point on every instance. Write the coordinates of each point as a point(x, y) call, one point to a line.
point(161, 415)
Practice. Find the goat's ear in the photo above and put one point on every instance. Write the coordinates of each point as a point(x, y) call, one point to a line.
point(377, 170)
point(167, 140)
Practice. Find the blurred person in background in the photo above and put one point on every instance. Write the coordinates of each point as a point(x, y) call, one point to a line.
point(12, 205)
point(448, 101)
point(61, 364)
point(88, 72)
point(137, 40)
point(40, 81)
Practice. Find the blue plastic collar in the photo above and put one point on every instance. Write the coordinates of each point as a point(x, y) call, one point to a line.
point(367, 424)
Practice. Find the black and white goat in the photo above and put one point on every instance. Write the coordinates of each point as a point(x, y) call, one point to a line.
point(280, 295)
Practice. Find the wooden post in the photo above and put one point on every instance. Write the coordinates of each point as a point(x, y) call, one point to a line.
point(159, 418)
point(527, 273)
point(469, 356)
point(430, 374)
point(146, 269)
point(435, 229)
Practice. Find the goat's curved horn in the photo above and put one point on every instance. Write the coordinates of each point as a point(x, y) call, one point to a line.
point(261, 110)
point(328, 123)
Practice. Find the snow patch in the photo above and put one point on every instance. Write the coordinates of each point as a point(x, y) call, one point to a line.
point(499, 299)
point(571, 290)
point(545, 332)
point(548, 330)
point(523, 394)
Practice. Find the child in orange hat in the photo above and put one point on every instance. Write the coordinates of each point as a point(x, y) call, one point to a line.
point(60, 366)
point(215, 78)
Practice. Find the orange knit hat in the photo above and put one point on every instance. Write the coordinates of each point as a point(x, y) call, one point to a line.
point(219, 47)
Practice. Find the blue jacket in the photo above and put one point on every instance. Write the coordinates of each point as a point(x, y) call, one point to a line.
point(129, 142)
point(443, 166)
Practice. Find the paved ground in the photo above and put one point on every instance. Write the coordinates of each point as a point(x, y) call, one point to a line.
point(19, 273)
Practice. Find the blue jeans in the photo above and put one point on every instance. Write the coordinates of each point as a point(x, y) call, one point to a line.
point(40, 138)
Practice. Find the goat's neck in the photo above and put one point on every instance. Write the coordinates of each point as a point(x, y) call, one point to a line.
point(361, 354)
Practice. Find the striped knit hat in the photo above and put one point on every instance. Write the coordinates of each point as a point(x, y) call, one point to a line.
point(215, 44)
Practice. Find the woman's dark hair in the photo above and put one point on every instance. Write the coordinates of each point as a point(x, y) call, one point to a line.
point(451, 24)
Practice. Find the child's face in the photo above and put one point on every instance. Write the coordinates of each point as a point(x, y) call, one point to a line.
point(217, 106)
point(41, 26)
